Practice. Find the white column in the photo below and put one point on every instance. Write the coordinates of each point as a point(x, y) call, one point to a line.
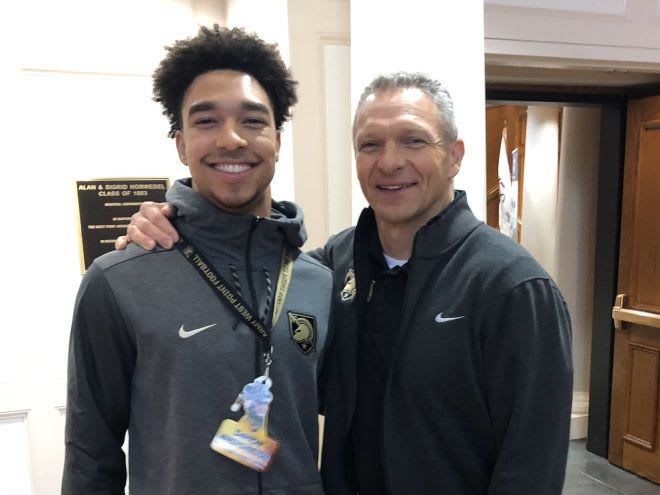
point(576, 242)
point(269, 19)
point(443, 39)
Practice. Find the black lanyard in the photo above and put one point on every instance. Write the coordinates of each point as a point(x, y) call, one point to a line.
point(234, 301)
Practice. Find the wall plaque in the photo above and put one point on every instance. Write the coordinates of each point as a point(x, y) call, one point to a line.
point(105, 207)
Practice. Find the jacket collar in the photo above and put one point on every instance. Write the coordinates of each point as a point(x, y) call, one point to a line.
point(439, 234)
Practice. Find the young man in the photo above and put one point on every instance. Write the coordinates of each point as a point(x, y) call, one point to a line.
point(170, 344)
point(451, 366)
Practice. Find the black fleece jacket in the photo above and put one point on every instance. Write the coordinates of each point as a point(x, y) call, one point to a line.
point(479, 393)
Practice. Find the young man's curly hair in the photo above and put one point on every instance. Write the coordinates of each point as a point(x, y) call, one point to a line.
point(217, 49)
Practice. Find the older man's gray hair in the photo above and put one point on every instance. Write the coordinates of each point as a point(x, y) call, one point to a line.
point(431, 87)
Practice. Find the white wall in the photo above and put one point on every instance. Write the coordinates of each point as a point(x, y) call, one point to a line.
point(15, 459)
point(446, 43)
point(559, 222)
point(77, 81)
point(539, 203)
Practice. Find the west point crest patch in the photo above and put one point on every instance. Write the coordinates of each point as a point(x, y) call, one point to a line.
point(303, 331)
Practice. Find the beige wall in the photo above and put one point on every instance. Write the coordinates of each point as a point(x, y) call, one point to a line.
point(320, 59)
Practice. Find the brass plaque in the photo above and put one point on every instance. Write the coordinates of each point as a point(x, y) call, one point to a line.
point(105, 207)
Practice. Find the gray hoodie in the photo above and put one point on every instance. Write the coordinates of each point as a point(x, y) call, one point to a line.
point(138, 360)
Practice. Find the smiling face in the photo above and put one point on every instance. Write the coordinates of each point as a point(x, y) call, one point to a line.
point(404, 165)
point(229, 141)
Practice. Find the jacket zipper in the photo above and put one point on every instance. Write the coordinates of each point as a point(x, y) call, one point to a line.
point(255, 305)
point(388, 384)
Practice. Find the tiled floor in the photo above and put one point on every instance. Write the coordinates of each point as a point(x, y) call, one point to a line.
point(588, 474)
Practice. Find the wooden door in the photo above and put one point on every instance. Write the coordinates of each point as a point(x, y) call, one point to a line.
point(635, 425)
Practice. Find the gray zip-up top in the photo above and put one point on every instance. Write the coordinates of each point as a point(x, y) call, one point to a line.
point(155, 352)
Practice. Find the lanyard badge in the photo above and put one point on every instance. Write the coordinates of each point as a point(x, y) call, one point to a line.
point(246, 441)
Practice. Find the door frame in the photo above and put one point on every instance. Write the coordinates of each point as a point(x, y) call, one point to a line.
point(613, 103)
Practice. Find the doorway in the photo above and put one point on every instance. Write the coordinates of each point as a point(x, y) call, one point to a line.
point(595, 359)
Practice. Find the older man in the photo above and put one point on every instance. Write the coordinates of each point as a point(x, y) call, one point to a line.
point(451, 368)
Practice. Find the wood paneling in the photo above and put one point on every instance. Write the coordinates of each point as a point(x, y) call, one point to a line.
point(643, 377)
point(646, 263)
point(634, 425)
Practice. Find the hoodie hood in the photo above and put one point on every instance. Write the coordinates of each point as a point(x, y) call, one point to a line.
point(206, 225)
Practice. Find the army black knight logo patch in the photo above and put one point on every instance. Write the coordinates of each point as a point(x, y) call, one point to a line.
point(303, 331)
point(348, 292)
